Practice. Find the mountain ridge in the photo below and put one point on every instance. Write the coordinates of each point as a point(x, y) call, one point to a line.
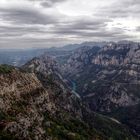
point(30, 110)
point(110, 79)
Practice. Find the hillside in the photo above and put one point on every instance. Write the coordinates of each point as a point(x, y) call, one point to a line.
point(31, 110)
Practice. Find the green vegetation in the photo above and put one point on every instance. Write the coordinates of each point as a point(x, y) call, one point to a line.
point(5, 69)
point(6, 117)
point(6, 136)
point(111, 129)
point(128, 115)
point(70, 129)
point(3, 134)
point(102, 128)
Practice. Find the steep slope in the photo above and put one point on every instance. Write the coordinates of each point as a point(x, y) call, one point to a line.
point(110, 81)
point(30, 110)
point(44, 63)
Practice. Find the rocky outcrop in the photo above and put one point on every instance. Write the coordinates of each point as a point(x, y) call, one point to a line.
point(118, 54)
point(35, 105)
point(80, 58)
point(114, 65)
point(109, 78)
point(24, 101)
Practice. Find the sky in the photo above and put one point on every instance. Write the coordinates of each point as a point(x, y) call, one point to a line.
point(47, 23)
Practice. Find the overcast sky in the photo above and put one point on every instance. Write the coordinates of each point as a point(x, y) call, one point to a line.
point(46, 23)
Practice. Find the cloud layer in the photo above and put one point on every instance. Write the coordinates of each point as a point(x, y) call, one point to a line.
point(46, 23)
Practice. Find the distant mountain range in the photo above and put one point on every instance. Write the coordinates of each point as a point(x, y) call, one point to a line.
point(18, 57)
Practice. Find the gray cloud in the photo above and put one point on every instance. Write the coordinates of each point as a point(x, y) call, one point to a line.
point(49, 3)
point(96, 30)
point(18, 31)
point(123, 9)
point(25, 16)
point(138, 29)
point(87, 28)
point(35, 26)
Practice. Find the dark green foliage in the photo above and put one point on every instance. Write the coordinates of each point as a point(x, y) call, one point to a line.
point(5, 69)
point(3, 134)
point(70, 129)
point(112, 129)
point(131, 119)
point(6, 136)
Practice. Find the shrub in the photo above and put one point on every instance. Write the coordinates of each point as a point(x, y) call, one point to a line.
point(5, 69)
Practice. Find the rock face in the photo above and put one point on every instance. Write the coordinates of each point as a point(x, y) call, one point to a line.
point(25, 104)
point(108, 78)
point(35, 104)
point(81, 58)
